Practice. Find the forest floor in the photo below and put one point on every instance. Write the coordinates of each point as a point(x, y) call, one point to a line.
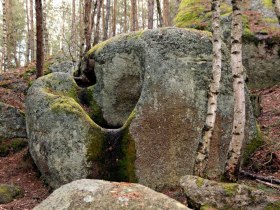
point(19, 169)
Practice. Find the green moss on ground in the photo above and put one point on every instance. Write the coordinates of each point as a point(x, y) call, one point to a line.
point(253, 145)
point(9, 192)
point(273, 205)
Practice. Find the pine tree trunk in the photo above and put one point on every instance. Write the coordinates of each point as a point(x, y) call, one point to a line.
point(5, 38)
point(97, 29)
point(81, 30)
point(32, 38)
point(40, 38)
point(87, 23)
point(160, 19)
point(166, 13)
point(151, 14)
point(143, 15)
point(236, 144)
point(27, 54)
point(204, 146)
point(105, 32)
point(114, 18)
point(133, 16)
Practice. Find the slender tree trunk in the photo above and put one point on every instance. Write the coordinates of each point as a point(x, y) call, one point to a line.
point(204, 147)
point(87, 22)
point(125, 17)
point(133, 16)
point(236, 144)
point(97, 29)
point(151, 4)
point(277, 9)
point(114, 18)
point(45, 29)
point(166, 13)
point(81, 30)
point(5, 38)
point(159, 14)
point(73, 29)
point(143, 15)
point(32, 38)
point(105, 32)
point(27, 55)
point(103, 17)
point(40, 38)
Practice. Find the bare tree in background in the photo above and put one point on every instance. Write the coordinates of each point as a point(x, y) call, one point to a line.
point(5, 4)
point(166, 13)
point(32, 38)
point(106, 25)
point(160, 18)
point(40, 38)
point(236, 144)
point(133, 16)
point(151, 4)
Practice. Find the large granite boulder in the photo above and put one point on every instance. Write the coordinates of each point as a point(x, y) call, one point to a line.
point(97, 194)
point(207, 194)
point(149, 105)
point(12, 122)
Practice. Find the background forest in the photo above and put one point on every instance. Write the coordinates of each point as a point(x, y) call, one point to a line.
point(71, 26)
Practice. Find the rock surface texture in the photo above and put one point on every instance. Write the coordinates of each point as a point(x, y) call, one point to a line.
point(149, 105)
point(96, 194)
point(261, 32)
point(12, 122)
point(206, 194)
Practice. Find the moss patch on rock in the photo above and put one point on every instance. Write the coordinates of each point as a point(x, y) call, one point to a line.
point(9, 192)
point(253, 146)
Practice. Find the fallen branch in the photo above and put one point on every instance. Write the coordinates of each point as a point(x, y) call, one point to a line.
point(269, 184)
point(269, 179)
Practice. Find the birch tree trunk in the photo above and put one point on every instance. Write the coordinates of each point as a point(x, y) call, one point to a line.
point(5, 38)
point(40, 38)
point(159, 14)
point(151, 4)
point(236, 144)
point(32, 38)
point(204, 147)
point(105, 32)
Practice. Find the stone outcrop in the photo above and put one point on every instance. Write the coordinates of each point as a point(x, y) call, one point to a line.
point(148, 107)
point(206, 194)
point(12, 122)
point(97, 194)
point(261, 32)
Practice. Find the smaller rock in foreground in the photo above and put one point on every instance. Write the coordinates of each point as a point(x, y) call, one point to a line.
point(97, 194)
point(204, 194)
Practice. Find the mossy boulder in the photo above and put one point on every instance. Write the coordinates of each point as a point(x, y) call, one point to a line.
point(208, 194)
point(146, 111)
point(12, 122)
point(164, 75)
point(9, 192)
point(97, 194)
